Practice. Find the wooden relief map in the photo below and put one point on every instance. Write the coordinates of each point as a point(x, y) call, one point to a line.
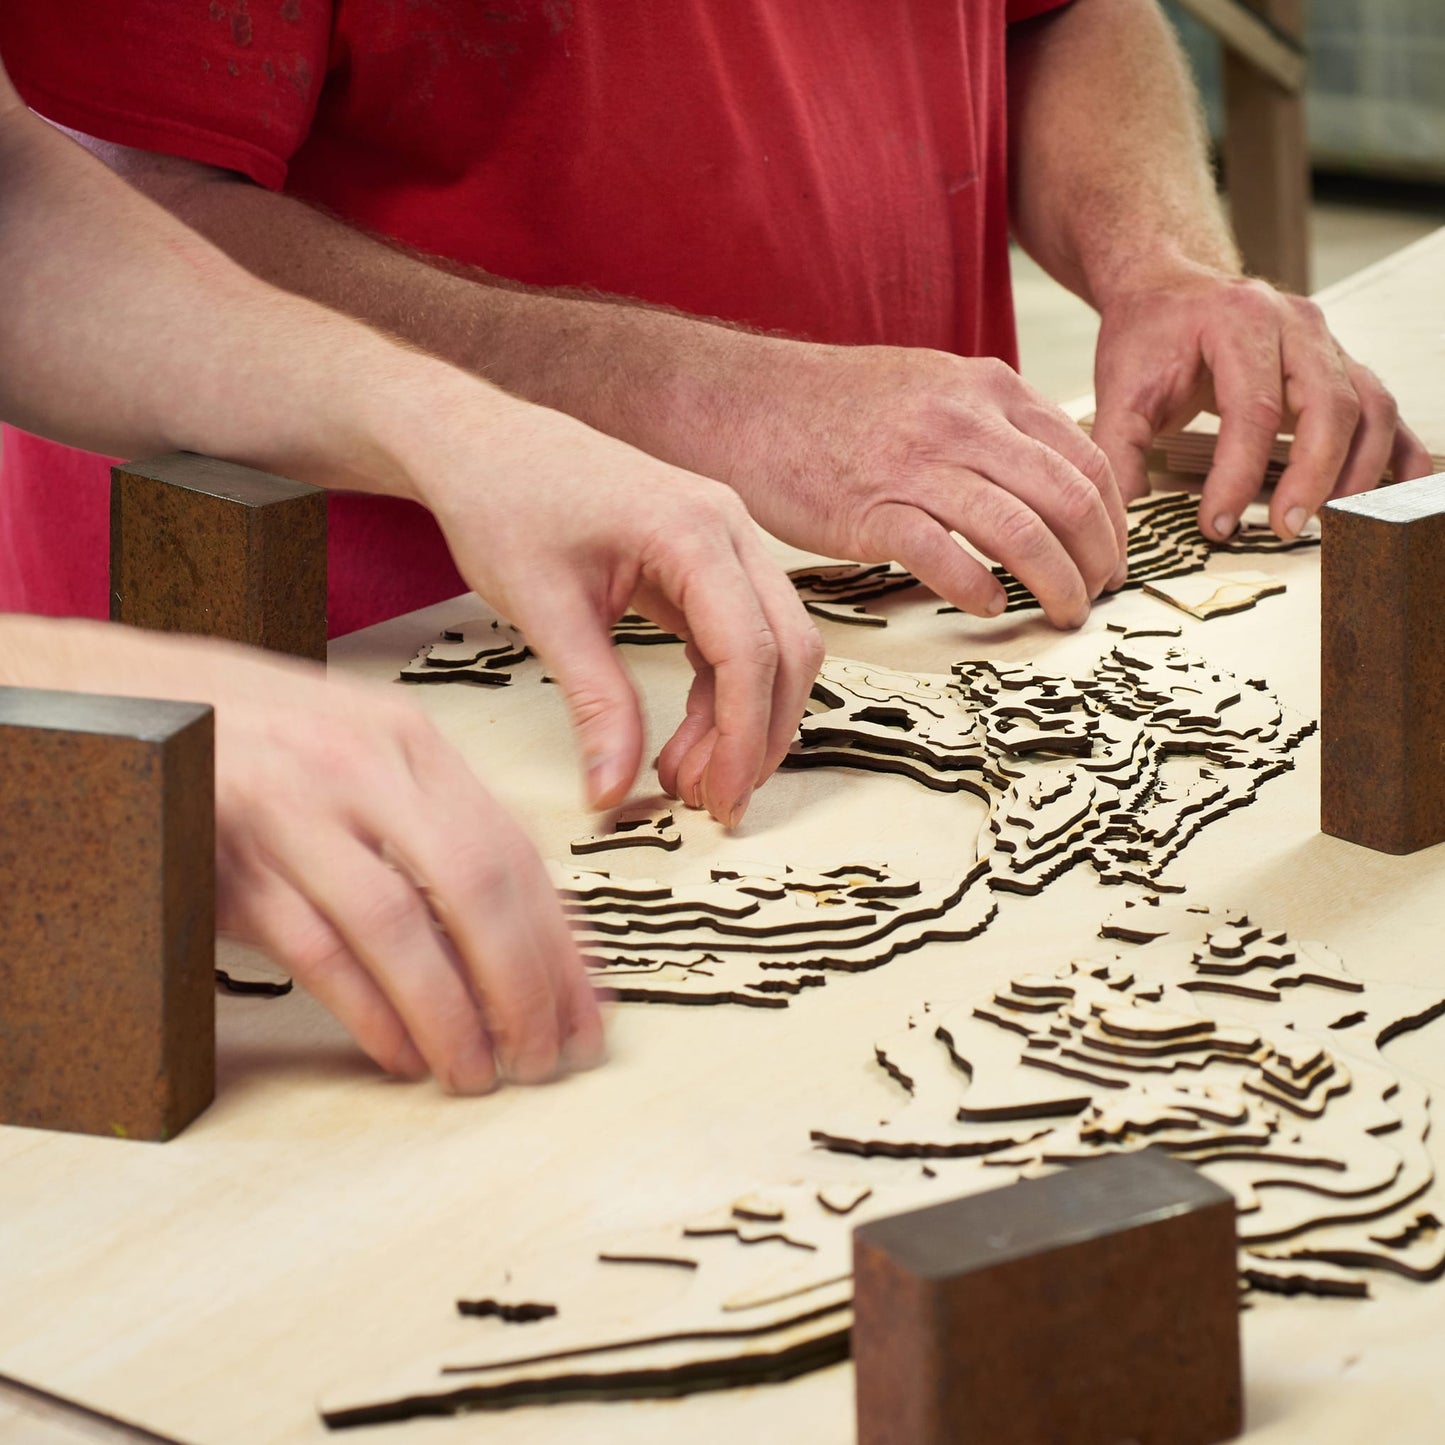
point(759, 1290)
point(1248, 1053)
point(1231, 1044)
point(1164, 542)
point(760, 939)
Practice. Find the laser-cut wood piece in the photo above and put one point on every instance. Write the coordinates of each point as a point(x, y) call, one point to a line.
point(198, 545)
point(634, 828)
point(483, 651)
point(1052, 1266)
point(636, 631)
point(1382, 677)
point(723, 1300)
point(745, 938)
point(263, 981)
point(850, 616)
point(1119, 769)
point(1165, 541)
point(1280, 1098)
point(1215, 594)
point(1190, 453)
point(107, 913)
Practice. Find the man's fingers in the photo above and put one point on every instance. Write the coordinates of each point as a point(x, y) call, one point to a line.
point(1373, 441)
point(1068, 504)
point(726, 623)
point(1328, 411)
point(697, 722)
point(1004, 528)
point(1410, 457)
point(278, 919)
point(1088, 457)
point(1249, 392)
point(925, 547)
point(578, 650)
point(800, 648)
point(385, 923)
point(1125, 437)
point(485, 882)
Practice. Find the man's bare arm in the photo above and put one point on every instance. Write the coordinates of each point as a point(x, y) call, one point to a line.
point(1112, 193)
point(872, 453)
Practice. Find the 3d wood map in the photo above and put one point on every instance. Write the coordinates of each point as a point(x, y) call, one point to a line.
point(1237, 1048)
point(757, 1291)
point(1252, 1054)
point(1164, 542)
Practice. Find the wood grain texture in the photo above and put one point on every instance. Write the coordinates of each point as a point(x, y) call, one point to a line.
point(1382, 670)
point(204, 546)
point(1017, 1315)
point(107, 913)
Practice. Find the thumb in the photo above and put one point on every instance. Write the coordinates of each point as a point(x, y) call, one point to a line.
point(578, 651)
point(1124, 436)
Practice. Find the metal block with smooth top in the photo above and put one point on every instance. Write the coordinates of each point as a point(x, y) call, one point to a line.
point(1382, 667)
point(107, 913)
point(1096, 1306)
point(198, 545)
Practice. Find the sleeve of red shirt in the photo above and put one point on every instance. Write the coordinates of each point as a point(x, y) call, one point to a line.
point(229, 83)
point(1028, 9)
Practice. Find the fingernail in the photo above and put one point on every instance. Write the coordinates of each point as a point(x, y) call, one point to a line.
point(1294, 520)
point(536, 1066)
point(1224, 526)
point(474, 1074)
point(739, 808)
point(584, 1051)
point(409, 1063)
point(995, 605)
point(602, 778)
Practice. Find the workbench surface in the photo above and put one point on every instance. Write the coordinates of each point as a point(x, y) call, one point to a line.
point(316, 1225)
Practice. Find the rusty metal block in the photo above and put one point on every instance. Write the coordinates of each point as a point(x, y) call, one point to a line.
point(1382, 667)
point(107, 913)
point(1093, 1307)
point(198, 545)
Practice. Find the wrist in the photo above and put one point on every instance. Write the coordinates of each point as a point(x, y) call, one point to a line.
point(1129, 278)
point(420, 423)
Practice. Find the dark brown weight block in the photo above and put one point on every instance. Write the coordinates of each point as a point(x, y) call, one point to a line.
point(1382, 667)
point(107, 913)
point(1098, 1306)
point(198, 545)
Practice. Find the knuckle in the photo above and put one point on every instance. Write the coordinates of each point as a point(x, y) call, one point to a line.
point(1077, 503)
point(393, 1052)
point(1021, 534)
point(523, 1013)
point(479, 868)
point(389, 911)
point(811, 651)
point(764, 651)
point(315, 955)
point(997, 373)
point(1262, 411)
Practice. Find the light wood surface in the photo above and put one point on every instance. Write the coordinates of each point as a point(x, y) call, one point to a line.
point(318, 1223)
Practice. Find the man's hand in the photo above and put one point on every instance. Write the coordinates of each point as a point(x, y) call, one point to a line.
point(880, 453)
point(583, 528)
point(1199, 340)
point(357, 848)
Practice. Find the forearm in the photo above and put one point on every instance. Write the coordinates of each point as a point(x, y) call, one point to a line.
point(126, 333)
point(668, 383)
point(1110, 177)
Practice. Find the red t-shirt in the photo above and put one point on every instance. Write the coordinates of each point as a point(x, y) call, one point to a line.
point(834, 171)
